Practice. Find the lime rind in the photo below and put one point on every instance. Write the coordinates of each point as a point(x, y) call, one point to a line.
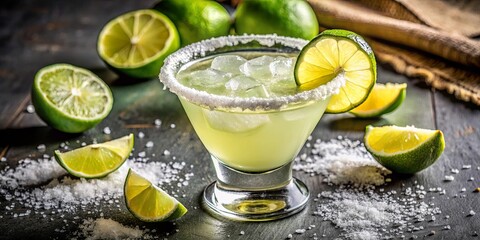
point(120, 156)
point(147, 67)
point(388, 108)
point(175, 211)
point(59, 118)
point(346, 104)
point(412, 160)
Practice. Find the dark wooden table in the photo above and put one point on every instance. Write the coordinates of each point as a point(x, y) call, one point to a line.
point(34, 34)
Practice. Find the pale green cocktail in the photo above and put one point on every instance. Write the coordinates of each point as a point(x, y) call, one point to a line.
point(242, 100)
point(250, 140)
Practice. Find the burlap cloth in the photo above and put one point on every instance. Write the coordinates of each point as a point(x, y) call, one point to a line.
point(425, 39)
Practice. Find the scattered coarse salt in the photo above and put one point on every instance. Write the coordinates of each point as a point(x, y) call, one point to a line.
point(30, 108)
point(300, 231)
point(361, 214)
point(107, 130)
point(471, 213)
point(447, 227)
point(172, 125)
point(466, 166)
point(158, 122)
point(44, 185)
point(242, 232)
point(3, 159)
point(142, 154)
point(341, 161)
point(141, 135)
point(455, 171)
point(289, 236)
point(449, 178)
point(102, 228)
point(149, 144)
point(471, 179)
point(41, 147)
point(166, 153)
point(463, 190)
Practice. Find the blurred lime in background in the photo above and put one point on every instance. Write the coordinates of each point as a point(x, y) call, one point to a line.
point(294, 18)
point(196, 20)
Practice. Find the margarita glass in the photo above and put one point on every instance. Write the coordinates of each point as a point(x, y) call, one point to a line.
point(254, 132)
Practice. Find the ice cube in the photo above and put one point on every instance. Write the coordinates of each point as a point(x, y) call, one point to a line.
point(258, 68)
point(282, 68)
point(208, 78)
point(234, 122)
point(241, 82)
point(228, 63)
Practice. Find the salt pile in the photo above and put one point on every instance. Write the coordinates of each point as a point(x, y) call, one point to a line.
point(109, 229)
point(62, 193)
point(358, 205)
point(341, 161)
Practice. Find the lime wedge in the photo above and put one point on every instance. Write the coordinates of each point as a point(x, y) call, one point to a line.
point(338, 53)
point(404, 149)
point(148, 202)
point(136, 43)
point(69, 98)
point(383, 99)
point(96, 160)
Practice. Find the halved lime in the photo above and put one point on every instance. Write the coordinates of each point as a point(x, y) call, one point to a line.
point(136, 43)
point(148, 202)
point(338, 53)
point(383, 99)
point(69, 98)
point(404, 149)
point(96, 160)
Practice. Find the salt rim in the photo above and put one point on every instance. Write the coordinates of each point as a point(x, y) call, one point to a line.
point(200, 49)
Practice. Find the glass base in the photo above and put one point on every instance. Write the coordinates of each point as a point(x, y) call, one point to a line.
point(246, 196)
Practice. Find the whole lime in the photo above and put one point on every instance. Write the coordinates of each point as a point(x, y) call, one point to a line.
point(294, 18)
point(196, 20)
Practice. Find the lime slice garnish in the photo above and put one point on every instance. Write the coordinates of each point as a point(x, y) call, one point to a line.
point(96, 160)
point(383, 99)
point(148, 202)
point(136, 43)
point(404, 149)
point(338, 53)
point(69, 98)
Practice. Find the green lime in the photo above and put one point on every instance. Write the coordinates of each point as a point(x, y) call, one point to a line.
point(404, 149)
point(383, 99)
point(294, 18)
point(96, 160)
point(338, 53)
point(196, 20)
point(148, 202)
point(69, 98)
point(136, 43)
